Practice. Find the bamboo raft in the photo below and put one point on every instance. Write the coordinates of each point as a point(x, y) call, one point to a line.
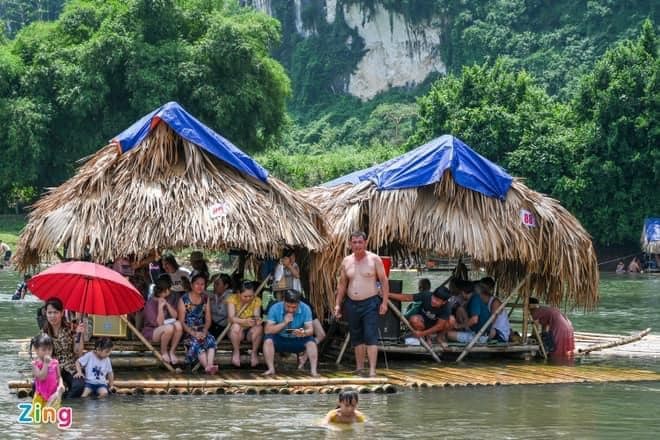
point(132, 354)
point(415, 375)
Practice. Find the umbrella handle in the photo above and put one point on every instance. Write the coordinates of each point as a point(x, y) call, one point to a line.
point(79, 335)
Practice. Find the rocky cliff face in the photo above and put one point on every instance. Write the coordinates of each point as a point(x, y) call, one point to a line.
point(395, 51)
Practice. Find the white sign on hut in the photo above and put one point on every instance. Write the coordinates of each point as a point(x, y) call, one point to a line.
point(219, 210)
point(527, 218)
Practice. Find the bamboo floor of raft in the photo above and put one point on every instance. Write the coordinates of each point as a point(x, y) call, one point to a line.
point(402, 374)
point(408, 375)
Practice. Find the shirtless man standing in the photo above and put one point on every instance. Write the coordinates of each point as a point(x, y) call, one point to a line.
point(359, 273)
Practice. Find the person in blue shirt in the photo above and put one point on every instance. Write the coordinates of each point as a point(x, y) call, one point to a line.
point(289, 330)
point(477, 313)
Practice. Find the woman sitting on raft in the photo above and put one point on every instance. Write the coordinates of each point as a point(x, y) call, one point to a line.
point(160, 324)
point(65, 350)
point(195, 316)
point(246, 324)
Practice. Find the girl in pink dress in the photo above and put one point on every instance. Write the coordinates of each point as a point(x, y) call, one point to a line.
point(48, 384)
point(552, 320)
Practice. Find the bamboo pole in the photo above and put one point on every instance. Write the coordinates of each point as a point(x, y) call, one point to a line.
point(403, 319)
point(616, 343)
point(343, 348)
point(526, 316)
point(226, 329)
point(490, 320)
point(537, 334)
point(140, 336)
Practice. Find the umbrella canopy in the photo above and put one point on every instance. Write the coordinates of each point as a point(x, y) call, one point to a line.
point(87, 288)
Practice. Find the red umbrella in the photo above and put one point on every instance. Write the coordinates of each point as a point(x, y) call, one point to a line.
point(87, 288)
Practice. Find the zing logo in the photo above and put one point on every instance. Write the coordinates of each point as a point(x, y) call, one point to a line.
point(62, 416)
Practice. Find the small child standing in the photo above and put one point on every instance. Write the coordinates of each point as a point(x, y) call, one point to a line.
point(48, 384)
point(98, 369)
point(346, 411)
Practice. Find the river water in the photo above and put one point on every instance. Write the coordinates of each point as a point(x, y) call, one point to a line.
point(585, 411)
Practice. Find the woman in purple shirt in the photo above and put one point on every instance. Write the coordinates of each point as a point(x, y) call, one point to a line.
point(160, 323)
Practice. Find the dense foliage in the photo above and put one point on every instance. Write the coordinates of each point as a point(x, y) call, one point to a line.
point(68, 86)
point(598, 153)
point(15, 14)
point(561, 93)
point(618, 109)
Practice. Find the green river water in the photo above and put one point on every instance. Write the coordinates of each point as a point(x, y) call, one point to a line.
point(580, 411)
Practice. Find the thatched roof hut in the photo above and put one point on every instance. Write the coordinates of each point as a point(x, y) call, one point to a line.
point(651, 236)
point(446, 199)
point(168, 182)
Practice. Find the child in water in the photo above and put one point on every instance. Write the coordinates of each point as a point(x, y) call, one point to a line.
point(98, 369)
point(48, 384)
point(346, 411)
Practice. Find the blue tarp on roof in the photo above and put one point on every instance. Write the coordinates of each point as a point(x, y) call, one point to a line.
point(652, 229)
point(426, 164)
point(191, 129)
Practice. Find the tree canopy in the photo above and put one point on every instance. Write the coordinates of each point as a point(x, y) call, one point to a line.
point(598, 153)
point(69, 85)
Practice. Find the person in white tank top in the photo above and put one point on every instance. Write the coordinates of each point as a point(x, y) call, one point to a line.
point(501, 327)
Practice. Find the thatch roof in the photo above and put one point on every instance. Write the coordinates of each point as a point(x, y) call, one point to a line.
point(159, 195)
point(651, 236)
point(448, 219)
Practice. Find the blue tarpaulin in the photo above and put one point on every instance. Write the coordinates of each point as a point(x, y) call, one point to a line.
point(426, 164)
point(652, 229)
point(191, 129)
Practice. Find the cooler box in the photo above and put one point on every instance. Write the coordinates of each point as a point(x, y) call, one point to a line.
point(108, 326)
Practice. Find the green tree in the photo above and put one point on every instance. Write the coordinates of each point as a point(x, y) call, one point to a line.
point(617, 108)
point(68, 86)
point(506, 117)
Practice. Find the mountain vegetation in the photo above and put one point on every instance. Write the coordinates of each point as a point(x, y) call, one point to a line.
point(563, 94)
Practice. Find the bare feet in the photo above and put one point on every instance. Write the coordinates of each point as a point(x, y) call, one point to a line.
point(372, 373)
point(302, 359)
point(236, 359)
point(315, 374)
point(173, 359)
point(268, 373)
point(254, 360)
point(211, 369)
point(166, 358)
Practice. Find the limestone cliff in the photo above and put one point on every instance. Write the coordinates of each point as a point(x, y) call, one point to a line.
point(394, 51)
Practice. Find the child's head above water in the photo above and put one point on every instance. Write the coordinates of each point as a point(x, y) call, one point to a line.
point(348, 401)
point(43, 345)
point(103, 347)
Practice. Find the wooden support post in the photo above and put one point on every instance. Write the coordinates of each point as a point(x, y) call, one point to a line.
point(403, 319)
point(490, 320)
point(514, 305)
point(537, 335)
point(526, 317)
point(141, 337)
point(343, 348)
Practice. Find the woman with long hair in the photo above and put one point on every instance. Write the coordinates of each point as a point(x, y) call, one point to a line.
point(66, 347)
point(195, 316)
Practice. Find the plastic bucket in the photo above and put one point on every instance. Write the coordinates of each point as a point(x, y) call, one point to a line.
point(387, 263)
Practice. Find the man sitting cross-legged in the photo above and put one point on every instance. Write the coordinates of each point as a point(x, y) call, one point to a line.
point(434, 315)
point(289, 330)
